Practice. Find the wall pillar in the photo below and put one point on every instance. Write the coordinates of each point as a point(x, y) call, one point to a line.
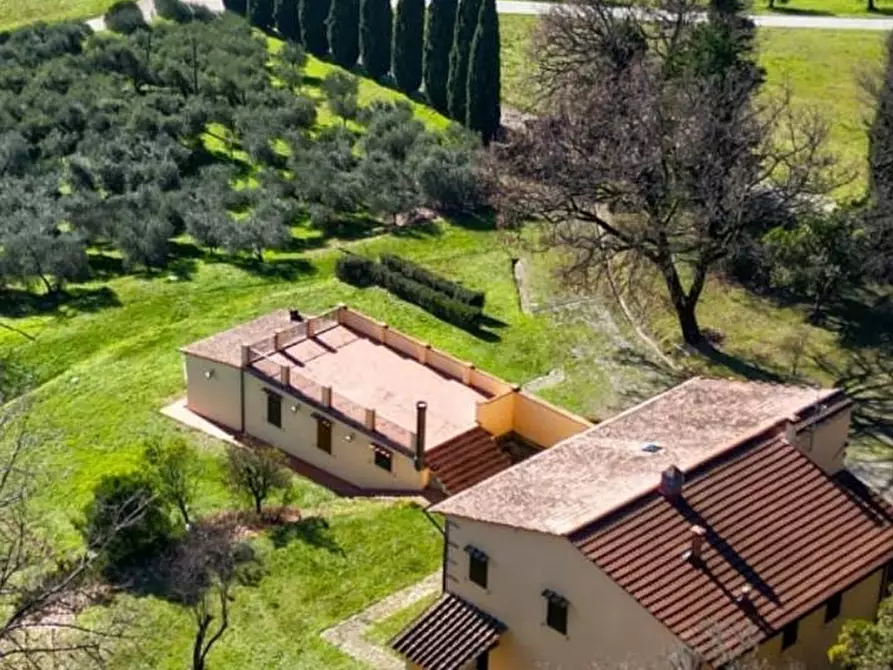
point(370, 419)
point(327, 396)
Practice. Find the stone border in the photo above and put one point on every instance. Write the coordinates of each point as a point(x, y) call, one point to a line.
point(350, 635)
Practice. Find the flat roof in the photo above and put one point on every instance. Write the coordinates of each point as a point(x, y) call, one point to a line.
point(595, 472)
point(373, 375)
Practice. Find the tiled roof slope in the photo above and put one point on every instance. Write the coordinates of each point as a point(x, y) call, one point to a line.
point(467, 459)
point(590, 474)
point(448, 635)
point(226, 347)
point(773, 520)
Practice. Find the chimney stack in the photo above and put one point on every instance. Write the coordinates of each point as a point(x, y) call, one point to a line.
point(420, 420)
point(695, 551)
point(671, 481)
point(744, 595)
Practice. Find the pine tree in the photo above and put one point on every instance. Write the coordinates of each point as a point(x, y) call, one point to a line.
point(483, 74)
point(457, 84)
point(438, 43)
point(312, 20)
point(287, 19)
point(408, 40)
point(344, 32)
point(376, 19)
point(260, 13)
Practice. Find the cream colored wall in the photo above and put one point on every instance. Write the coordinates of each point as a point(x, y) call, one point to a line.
point(497, 415)
point(814, 636)
point(351, 461)
point(605, 625)
point(825, 444)
point(217, 398)
point(544, 424)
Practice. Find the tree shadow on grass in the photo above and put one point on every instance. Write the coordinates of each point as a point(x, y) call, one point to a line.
point(278, 269)
point(313, 530)
point(485, 220)
point(750, 370)
point(797, 11)
point(863, 319)
point(418, 231)
point(16, 303)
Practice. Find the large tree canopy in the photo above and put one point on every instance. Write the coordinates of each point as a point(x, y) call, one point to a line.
point(653, 154)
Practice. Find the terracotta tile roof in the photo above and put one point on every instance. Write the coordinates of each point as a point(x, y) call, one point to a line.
point(774, 521)
point(591, 473)
point(226, 347)
point(467, 459)
point(448, 635)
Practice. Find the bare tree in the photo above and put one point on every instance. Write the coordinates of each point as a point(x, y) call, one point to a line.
point(206, 568)
point(42, 592)
point(256, 473)
point(653, 154)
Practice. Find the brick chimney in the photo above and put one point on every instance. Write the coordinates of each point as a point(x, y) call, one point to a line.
point(695, 550)
point(421, 418)
point(671, 481)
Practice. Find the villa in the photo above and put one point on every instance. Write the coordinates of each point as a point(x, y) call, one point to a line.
point(367, 404)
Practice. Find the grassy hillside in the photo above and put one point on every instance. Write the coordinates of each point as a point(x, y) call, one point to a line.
point(19, 12)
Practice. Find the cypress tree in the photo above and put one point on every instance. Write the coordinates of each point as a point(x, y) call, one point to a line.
point(408, 38)
point(312, 19)
point(483, 74)
point(376, 20)
point(457, 84)
point(344, 32)
point(438, 42)
point(260, 13)
point(288, 20)
point(237, 6)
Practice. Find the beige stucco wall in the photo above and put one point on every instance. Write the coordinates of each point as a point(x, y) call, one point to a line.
point(814, 636)
point(825, 444)
point(352, 461)
point(543, 424)
point(605, 626)
point(497, 415)
point(217, 398)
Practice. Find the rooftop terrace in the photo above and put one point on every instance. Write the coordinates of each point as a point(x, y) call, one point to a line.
point(360, 368)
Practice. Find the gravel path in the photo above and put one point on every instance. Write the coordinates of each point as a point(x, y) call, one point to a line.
point(349, 635)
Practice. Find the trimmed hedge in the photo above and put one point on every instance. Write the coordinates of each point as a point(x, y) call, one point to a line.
point(125, 17)
point(356, 270)
point(361, 271)
point(439, 304)
point(183, 12)
point(435, 282)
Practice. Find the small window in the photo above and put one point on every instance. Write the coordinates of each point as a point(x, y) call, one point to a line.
point(274, 409)
point(384, 459)
point(832, 607)
point(483, 661)
point(477, 566)
point(789, 635)
point(556, 611)
point(323, 434)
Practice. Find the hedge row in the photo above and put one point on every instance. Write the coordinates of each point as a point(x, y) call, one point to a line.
point(361, 271)
point(440, 284)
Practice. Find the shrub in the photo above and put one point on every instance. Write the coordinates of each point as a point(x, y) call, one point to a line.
point(173, 10)
point(449, 181)
point(125, 17)
point(356, 270)
point(439, 304)
point(435, 282)
point(126, 522)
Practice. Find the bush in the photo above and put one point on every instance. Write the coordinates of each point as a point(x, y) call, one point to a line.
point(449, 181)
point(435, 282)
point(125, 17)
point(356, 270)
point(126, 521)
point(183, 12)
point(439, 304)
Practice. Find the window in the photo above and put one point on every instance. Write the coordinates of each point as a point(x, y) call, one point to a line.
point(323, 433)
point(832, 607)
point(789, 635)
point(274, 409)
point(477, 566)
point(483, 661)
point(556, 611)
point(384, 459)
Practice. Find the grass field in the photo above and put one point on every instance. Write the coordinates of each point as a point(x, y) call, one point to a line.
point(19, 12)
point(821, 67)
point(824, 8)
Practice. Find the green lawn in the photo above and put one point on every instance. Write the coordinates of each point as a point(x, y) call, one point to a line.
point(18, 12)
point(824, 8)
point(821, 67)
